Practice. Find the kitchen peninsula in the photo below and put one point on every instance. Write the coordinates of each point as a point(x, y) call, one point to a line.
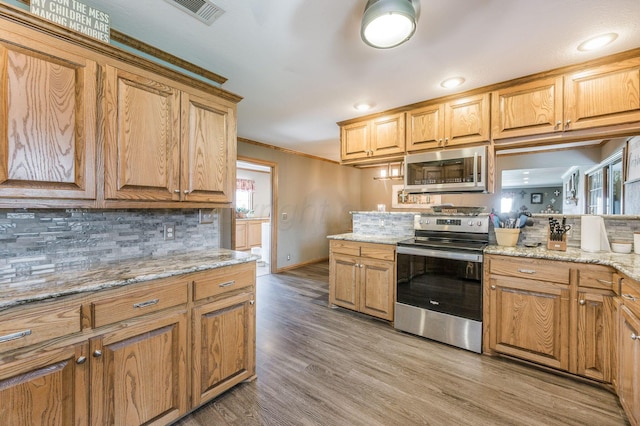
point(187, 320)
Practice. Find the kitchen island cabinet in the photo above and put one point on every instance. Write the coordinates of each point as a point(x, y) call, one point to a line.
point(133, 353)
point(362, 277)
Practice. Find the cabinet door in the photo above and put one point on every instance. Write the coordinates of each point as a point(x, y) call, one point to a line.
point(138, 373)
point(241, 235)
point(208, 150)
point(223, 345)
point(595, 336)
point(355, 141)
point(527, 109)
point(603, 96)
point(387, 135)
point(377, 288)
point(50, 388)
point(254, 233)
point(142, 138)
point(629, 365)
point(467, 120)
point(530, 320)
point(425, 128)
point(48, 121)
point(344, 273)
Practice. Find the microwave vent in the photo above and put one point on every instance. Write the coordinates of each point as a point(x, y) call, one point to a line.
point(202, 10)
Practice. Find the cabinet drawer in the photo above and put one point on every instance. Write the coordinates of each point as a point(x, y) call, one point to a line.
point(630, 293)
point(536, 269)
point(378, 251)
point(345, 247)
point(595, 277)
point(141, 300)
point(20, 327)
point(221, 280)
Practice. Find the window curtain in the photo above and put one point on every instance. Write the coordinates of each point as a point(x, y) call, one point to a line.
point(248, 185)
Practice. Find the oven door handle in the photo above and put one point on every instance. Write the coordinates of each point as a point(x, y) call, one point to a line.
point(442, 254)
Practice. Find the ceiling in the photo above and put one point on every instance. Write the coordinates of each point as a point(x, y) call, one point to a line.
point(300, 65)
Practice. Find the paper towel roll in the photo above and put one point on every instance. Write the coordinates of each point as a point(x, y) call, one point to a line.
point(593, 236)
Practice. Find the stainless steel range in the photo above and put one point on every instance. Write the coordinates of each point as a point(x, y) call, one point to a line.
point(439, 279)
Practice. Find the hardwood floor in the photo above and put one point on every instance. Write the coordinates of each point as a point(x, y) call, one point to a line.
point(323, 366)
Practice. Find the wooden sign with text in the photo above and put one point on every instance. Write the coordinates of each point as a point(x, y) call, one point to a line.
point(74, 15)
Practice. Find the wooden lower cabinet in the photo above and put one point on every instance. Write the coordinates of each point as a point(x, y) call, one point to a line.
point(141, 351)
point(364, 282)
point(217, 366)
point(557, 314)
point(50, 388)
point(530, 320)
point(142, 372)
point(629, 367)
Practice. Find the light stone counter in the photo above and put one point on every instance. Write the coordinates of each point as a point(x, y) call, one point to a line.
point(364, 238)
point(109, 275)
point(628, 264)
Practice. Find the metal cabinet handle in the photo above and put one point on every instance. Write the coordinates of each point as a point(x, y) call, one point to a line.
point(568, 123)
point(446, 141)
point(177, 191)
point(145, 304)
point(186, 191)
point(493, 287)
point(559, 123)
point(252, 302)
point(81, 360)
point(634, 336)
point(582, 302)
point(629, 297)
point(527, 271)
point(440, 141)
point(227, 284)
point(14, 336)
point(97, 353)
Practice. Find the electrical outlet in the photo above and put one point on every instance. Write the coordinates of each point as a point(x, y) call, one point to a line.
point(381, 223)
point(206, 216)
point(169, 231)
point(288, 257)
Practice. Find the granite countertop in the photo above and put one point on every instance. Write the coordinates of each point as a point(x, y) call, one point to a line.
point(115, 274)
point(628, 264)
point(364, 238)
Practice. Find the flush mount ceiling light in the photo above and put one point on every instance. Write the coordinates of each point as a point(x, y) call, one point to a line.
point(597, 42)
point(450, 83)
point(388, 23)
point(363, 106)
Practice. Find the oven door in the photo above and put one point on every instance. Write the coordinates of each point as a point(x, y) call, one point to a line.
point(441, 281)
point(439, 296)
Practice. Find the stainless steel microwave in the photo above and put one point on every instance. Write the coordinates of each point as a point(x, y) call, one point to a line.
point(453, 171)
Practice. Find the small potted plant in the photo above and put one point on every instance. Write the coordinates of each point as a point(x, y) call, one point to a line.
point(241, 212)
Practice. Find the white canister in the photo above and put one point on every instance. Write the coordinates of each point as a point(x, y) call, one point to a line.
point(636, 242)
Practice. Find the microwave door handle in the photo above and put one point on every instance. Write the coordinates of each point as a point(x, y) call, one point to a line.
point(475, 169)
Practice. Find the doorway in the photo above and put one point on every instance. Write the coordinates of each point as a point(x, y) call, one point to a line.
point(254, 222)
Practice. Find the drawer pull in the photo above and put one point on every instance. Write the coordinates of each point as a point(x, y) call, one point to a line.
point(145, 304)
point(527, 271)
point(227, 284)
point(81, 360)
point(14, 336)
point(629, 297)
point(605, 282)
point(97, 353)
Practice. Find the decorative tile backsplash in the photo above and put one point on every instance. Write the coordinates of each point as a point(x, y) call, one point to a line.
point(392, 224)
point(40, 241)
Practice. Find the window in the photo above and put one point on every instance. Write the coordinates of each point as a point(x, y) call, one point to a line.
point(506, 203)
point(244, 194)
point(604, 186)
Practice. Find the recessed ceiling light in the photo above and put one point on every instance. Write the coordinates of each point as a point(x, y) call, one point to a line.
point(363, 106)
point(450, 83)
point(597, 42)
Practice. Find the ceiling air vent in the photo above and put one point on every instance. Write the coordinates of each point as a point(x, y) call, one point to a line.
point(204, 11)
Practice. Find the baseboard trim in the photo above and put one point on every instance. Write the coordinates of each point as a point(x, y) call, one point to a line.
point(298, 265)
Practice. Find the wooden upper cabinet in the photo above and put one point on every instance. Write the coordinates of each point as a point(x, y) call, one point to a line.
point(142, 138)
point(603, 96)
point(48, 114)
point(377, 137)
point(208, 149)
point(458, 122)
point(527, 109)
point(166, 144)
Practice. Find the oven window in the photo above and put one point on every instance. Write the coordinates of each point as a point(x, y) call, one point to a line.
point(443, 285)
